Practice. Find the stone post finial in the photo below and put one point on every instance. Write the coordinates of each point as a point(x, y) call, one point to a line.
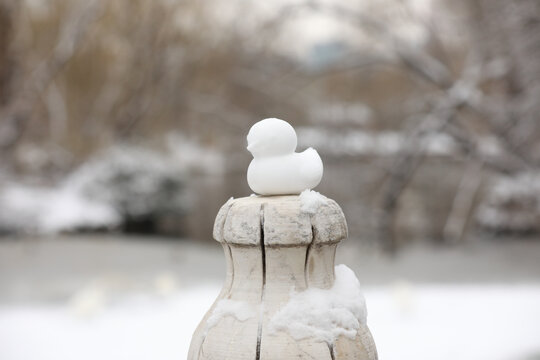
point(281, 294)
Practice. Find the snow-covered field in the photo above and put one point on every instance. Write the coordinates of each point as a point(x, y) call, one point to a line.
point(462, 322)
point(110, 297)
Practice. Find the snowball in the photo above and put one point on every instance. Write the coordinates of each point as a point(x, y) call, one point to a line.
point(240, 310)
point(324, 314)
point(311, 200)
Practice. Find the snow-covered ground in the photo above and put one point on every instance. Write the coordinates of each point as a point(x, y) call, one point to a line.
point(408, 322)
point(112, 297)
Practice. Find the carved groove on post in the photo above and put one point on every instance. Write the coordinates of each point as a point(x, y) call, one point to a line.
point(261, 311)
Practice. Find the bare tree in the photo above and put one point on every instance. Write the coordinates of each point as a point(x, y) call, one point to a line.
point(511, 60)
point(16, 116)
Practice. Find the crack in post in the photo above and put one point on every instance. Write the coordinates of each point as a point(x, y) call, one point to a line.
point(308, 251)
point(263, 256)
point(332, 354)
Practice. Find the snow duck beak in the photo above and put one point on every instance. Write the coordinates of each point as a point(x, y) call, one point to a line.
point(251, 146)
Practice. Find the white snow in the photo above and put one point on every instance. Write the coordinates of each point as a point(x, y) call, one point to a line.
point(240, 310)
point(324, 314)
point(137, 328)
point(192, 155)
point(511, 203)
point(311, 200)
point(465, 322)
point(357, 114)
point(124, 180)
point(383, 143)
point(52, 210)
point(137, 180)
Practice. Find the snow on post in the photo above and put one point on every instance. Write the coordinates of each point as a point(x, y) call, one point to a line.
point(282, 297)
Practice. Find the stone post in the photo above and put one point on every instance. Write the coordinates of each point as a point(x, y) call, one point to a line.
point(274, 248)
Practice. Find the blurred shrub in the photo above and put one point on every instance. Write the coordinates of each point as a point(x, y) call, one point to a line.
point(141, 184)
point(123, 186)
point(512, 204)
point(27, 209)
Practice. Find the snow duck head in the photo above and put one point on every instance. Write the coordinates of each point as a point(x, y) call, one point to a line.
point(271, 137)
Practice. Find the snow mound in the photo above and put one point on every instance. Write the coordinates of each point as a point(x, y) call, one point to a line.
point(240, 310)
point(324, 314)
point(311, 200)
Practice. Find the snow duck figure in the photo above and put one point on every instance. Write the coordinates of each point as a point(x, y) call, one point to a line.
point(276, 169)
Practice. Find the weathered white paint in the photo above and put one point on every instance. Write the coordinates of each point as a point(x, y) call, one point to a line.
point(272, 247)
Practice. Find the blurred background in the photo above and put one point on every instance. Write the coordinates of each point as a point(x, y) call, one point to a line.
point(122, 132)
